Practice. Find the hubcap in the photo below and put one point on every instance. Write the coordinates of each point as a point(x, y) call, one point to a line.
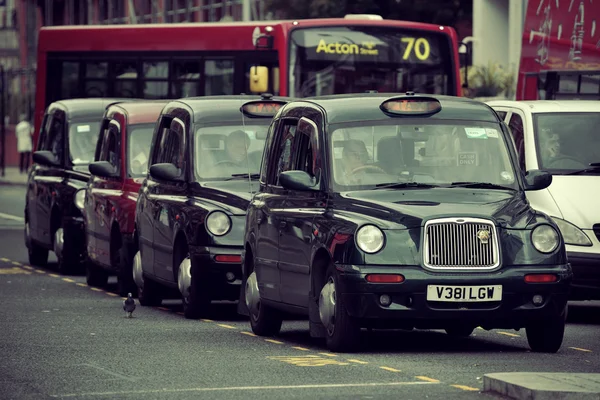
point(184, 277)
point(137, 270)
point(327, 305)
point(59, 242)
point(252, 295)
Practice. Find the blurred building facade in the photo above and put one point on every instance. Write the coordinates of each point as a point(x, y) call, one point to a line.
point(20, 21)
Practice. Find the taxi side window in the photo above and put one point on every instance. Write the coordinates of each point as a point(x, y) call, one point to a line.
point(283, 154)
point(55, 138)
point(267, 153)
point(304, 151)
point(110, 148)
point(516, 130)
point(44, 128)
point(172, 144)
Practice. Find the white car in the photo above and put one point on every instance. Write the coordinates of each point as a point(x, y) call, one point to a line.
point(563, 137)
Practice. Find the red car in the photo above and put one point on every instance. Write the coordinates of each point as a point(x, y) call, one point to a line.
point(120, 166)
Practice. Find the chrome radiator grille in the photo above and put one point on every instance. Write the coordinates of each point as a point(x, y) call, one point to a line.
point(461, 243)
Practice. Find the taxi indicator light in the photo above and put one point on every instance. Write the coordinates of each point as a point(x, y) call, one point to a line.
point(261, 108)
point(411, 106)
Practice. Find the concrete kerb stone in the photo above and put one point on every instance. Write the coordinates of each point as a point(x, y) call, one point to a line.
point(544, 386)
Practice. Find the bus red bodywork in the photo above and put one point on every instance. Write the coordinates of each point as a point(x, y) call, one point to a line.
point(74, 46)
point(560, 55)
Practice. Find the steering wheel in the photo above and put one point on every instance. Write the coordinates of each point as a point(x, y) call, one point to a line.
point(227, 162)
point(561, 158)
point(373, 168)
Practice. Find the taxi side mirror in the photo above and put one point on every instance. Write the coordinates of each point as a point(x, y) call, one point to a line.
point(297, 180)
point(537, 180)
point(259, 79)
point(46, 158)
point(165, 172)
point(103, 169)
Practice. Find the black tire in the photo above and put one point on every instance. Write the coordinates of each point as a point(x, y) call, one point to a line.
point(546, 336)
point(125, 283)
point(460, 331)
point(345, 335)
point(37, 255)
point(69, 261)
point(150, 294)
point(267, 322)
point(197, 303)
point(95, 275)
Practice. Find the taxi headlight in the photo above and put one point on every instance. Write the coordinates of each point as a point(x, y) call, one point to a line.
point(370, 239)
point(79, 199)
point(545, 238)
point(572, 234)
point(218, 223)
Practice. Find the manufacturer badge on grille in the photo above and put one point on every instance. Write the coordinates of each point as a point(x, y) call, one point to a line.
point(483, 235)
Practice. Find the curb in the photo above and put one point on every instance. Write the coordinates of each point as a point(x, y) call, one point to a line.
point(544, 386)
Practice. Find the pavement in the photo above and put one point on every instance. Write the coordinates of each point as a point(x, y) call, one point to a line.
point(81, 349)
point(12, 176)
point(543, 386)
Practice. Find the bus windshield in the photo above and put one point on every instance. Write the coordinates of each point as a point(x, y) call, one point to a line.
point(357, 59)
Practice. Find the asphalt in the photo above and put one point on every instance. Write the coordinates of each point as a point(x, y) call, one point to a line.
point(60, 338)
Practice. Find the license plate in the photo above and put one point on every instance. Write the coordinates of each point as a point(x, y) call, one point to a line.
point(464, 293)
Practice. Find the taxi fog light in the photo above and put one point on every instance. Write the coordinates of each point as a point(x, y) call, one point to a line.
point(385, 300)
point(545, 238)
point(384, 278)
point(572, 234)
point(540, 278)
point(230, 276)
point(538, 299)
point(228, 258)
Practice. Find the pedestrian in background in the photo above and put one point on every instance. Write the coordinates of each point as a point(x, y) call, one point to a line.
point(23, 131)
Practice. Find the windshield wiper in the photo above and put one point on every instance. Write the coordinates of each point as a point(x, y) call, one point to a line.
point(400, 185)
point(479, 185)
point(245, 176)
point(594, 167)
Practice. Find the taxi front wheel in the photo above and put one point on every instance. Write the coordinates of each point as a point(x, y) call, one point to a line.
point(343, 331)
point(546, 336)
point(264, 320)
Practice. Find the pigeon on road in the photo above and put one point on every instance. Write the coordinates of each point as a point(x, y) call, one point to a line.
point(129, 305)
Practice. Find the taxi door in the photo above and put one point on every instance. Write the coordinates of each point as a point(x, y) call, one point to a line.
point(169, 201)
point(105, 193)
point(297, 229)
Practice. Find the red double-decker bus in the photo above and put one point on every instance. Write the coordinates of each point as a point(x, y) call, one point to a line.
point(299, 58)
point(560, 55)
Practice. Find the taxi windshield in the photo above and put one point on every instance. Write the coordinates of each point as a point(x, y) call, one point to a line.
point(439, 154)
point(225, 152)
point(83, 136)
point(138, 148)
point(567, 141)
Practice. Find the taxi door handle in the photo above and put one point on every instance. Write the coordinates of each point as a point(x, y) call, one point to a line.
point(282, 224)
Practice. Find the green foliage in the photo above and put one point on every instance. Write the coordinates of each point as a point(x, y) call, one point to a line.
point(489, 81)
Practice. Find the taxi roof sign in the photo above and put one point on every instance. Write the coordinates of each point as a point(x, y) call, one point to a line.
point(410, 105)
point(262, 108)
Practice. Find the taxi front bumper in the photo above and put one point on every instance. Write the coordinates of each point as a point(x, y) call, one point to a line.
point(221, 268)
point(410, 307)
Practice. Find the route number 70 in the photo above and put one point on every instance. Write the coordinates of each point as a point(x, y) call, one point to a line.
point(420, 46)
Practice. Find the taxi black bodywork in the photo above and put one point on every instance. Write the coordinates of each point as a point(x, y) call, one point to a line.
point(65, 148)
point(407, 252)
point(184, 196)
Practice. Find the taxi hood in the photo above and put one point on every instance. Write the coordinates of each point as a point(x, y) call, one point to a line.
point(401, 209)
point(234, 195)
point(577, 199)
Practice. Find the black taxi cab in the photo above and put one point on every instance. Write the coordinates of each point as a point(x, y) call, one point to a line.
point(400, 211)
point(66, 146)
point(203, 168)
